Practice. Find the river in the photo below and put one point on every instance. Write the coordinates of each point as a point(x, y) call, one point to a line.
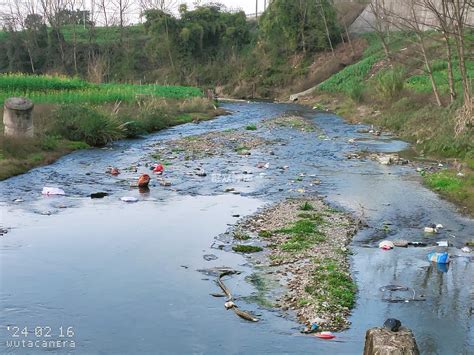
point(122, 278)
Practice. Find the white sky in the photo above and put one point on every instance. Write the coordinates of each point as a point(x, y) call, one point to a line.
point(247, 5)
point(133, 13)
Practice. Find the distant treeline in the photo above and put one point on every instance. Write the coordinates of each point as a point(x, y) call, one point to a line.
point(205, 46)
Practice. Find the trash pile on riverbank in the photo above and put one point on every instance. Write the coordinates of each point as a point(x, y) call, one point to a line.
point(215, 143)
point(306, 245)
point(295, 122)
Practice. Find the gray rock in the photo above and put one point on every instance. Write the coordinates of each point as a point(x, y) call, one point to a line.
point(392, 324)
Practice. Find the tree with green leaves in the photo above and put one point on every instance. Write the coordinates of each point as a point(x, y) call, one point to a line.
point(300, 26)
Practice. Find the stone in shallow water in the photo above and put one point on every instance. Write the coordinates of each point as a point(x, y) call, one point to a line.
point(210, 257)
point(392, 324)
point(401, 243)
point(381, 341)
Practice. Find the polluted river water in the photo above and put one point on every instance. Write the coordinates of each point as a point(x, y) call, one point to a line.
point(107, 277)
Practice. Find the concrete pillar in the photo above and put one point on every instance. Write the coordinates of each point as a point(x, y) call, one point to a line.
point(381, 341)
point(17, 117)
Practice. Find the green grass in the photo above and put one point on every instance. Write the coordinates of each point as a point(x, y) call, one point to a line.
point(303, 235)
point(444, 181)
point(350, 77)
point(264, 234)
point(251, 127)
point(246, 248)
point(306, 206)
point(103, 35)
point(339, 288)
point(421, 83)
point(241, 235)
point(459, 189)
point(62, 90)
point(315, 217)
point(354, 77)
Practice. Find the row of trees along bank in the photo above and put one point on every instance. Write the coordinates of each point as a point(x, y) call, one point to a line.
point(199, 46)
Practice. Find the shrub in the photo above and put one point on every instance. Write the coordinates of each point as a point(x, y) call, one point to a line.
point(390, 83)
point(50, 142)
point(356, 92)
point(85, 123)
point(133, 128)
point(196, 104)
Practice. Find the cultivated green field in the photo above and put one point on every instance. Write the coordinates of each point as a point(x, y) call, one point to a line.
point(61, 90)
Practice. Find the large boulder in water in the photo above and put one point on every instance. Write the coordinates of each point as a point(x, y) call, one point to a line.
point(381, 341)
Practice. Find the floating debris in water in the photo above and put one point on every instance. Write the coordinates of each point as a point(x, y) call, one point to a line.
point(99, 194)
point(210, 257)
point(48, 191)
point(129, 199)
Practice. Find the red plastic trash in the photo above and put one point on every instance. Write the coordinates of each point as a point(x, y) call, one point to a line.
point(325, 335)
point(158, 168)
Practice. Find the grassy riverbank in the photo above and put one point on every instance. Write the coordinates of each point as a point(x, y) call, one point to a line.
point(62, 126)
point(396, 96)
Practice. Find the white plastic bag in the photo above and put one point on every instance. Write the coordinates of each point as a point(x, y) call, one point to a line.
point(52, 191)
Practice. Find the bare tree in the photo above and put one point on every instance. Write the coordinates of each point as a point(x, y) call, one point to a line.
point(328, 35)
point(343, 19)
point(411, 21)
point(163, 5)
point(460, 11)
point(380, 25)
point(443, 24)
point(121, 9)
point(51, 9)
point(73, 6)
point(303, 8)
point(17, 15)
point(103, 8)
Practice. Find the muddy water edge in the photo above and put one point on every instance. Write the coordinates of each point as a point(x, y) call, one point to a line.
point(125, 277)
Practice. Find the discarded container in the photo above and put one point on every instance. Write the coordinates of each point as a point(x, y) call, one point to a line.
point(417, 244)
point(113, 171)
point(144, 180)
point(325, 335)
point(440, 258)
point(442, 243)
point(52, 191)
point(129, 199)
point(99, 194)
point(312, 328)
point(433, 228)
point(229, 305)
point(158, 169)
point(386, 245)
